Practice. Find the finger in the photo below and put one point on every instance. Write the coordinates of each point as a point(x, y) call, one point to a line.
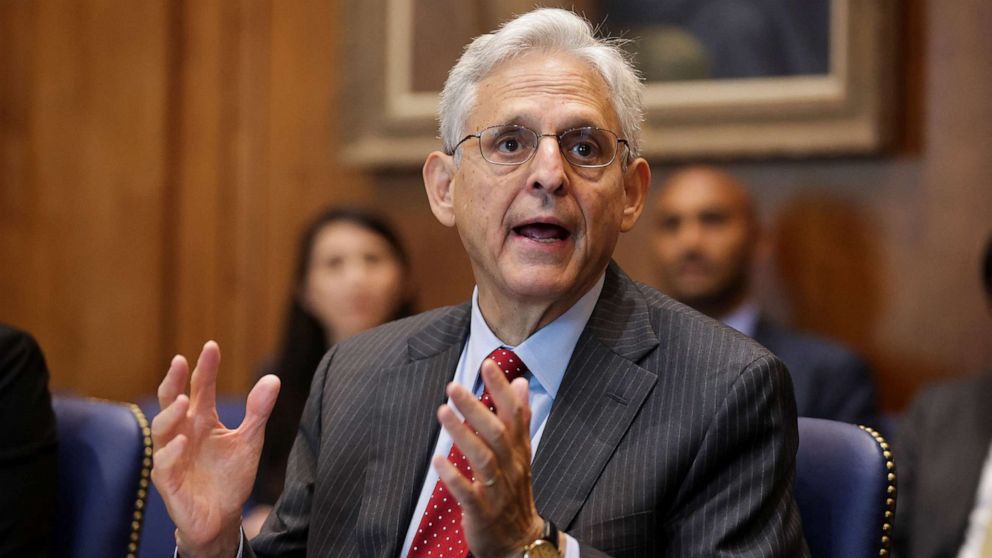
point(481, 457)
point(203, 383)
point(174, 382)
point(476, 413)
point(167, 422)
point(498, 386)
point(261, 401)
point(521, 390)
point(166, 468)
point(459, 486)
point(510, 408)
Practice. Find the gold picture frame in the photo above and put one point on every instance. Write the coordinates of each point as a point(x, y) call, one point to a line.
point(389, 118)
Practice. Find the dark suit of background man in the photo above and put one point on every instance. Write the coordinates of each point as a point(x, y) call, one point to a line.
point(655, 431)
point(944, 459)
point(27, 447)
point(707, 237)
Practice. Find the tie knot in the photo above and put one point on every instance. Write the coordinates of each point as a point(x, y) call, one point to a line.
point(509, 363)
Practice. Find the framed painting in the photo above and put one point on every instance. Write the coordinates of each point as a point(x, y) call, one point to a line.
point(724, 78)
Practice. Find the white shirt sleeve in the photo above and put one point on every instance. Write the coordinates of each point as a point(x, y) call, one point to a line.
point(571, 547)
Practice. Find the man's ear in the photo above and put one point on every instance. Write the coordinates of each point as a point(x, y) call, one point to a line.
point(439, 175)
point(636, 181)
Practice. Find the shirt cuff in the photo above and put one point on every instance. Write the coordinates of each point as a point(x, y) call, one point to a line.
point(571, 547)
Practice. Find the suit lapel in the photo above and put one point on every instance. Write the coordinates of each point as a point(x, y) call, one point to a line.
point(406, 431)
point(600, 394)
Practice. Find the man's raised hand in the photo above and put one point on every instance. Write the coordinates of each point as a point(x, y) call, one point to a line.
point(204, 470)
point(498, 513)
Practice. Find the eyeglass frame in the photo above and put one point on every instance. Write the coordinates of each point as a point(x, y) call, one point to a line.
point(558, 136)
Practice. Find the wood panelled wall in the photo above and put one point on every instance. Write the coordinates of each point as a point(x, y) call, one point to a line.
point(158, 159)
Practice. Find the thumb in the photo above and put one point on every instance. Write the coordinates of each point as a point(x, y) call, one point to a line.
point(261, 400)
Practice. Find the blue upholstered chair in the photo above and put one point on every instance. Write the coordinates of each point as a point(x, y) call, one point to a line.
point(104, 461)
point(158, 535)
point(845, 489)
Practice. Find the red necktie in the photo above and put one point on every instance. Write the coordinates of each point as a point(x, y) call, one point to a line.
point(440, 531)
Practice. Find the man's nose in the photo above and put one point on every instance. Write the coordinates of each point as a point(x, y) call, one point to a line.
point(690, 234)
point(548, 165)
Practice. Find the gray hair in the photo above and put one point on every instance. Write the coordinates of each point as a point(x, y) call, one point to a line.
point(549, 30)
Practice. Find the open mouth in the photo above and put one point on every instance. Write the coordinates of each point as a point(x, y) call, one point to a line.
point(542, 232)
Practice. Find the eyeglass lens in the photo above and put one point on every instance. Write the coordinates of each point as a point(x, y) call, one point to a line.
point(512, 145)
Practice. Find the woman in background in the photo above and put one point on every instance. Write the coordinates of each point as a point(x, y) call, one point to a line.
point(352, 274)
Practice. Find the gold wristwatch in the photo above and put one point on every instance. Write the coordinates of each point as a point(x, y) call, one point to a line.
point(546, 546)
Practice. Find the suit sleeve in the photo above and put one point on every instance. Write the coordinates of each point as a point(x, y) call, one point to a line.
point(284, 533)
point(737, 499)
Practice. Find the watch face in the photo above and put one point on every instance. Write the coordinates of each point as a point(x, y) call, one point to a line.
point(541, 549)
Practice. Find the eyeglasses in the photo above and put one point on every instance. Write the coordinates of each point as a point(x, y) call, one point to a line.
point(510, 144)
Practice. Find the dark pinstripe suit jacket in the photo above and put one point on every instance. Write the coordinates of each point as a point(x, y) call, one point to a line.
point(670, 436)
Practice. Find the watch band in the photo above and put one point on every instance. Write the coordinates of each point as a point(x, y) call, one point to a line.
point(550, 533)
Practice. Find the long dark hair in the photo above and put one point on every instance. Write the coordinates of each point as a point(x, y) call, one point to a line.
point(304, 342)
point(304, 339)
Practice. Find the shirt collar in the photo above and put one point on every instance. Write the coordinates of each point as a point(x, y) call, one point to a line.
point(744, 319)
point(546, 352)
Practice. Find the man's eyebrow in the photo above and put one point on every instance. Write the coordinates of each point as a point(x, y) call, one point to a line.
point(515, 121)
point(568, 124)
point(581, 122)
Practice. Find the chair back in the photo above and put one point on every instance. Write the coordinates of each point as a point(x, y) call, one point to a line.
point(845, 489)
point(104, 462)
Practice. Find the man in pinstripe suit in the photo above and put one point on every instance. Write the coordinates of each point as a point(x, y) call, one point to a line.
point(639, 428)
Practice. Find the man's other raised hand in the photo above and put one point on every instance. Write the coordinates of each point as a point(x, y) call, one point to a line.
point(204, 470)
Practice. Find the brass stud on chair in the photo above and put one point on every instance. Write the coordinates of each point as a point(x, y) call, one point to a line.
point(142, 494)
point(890, 490)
